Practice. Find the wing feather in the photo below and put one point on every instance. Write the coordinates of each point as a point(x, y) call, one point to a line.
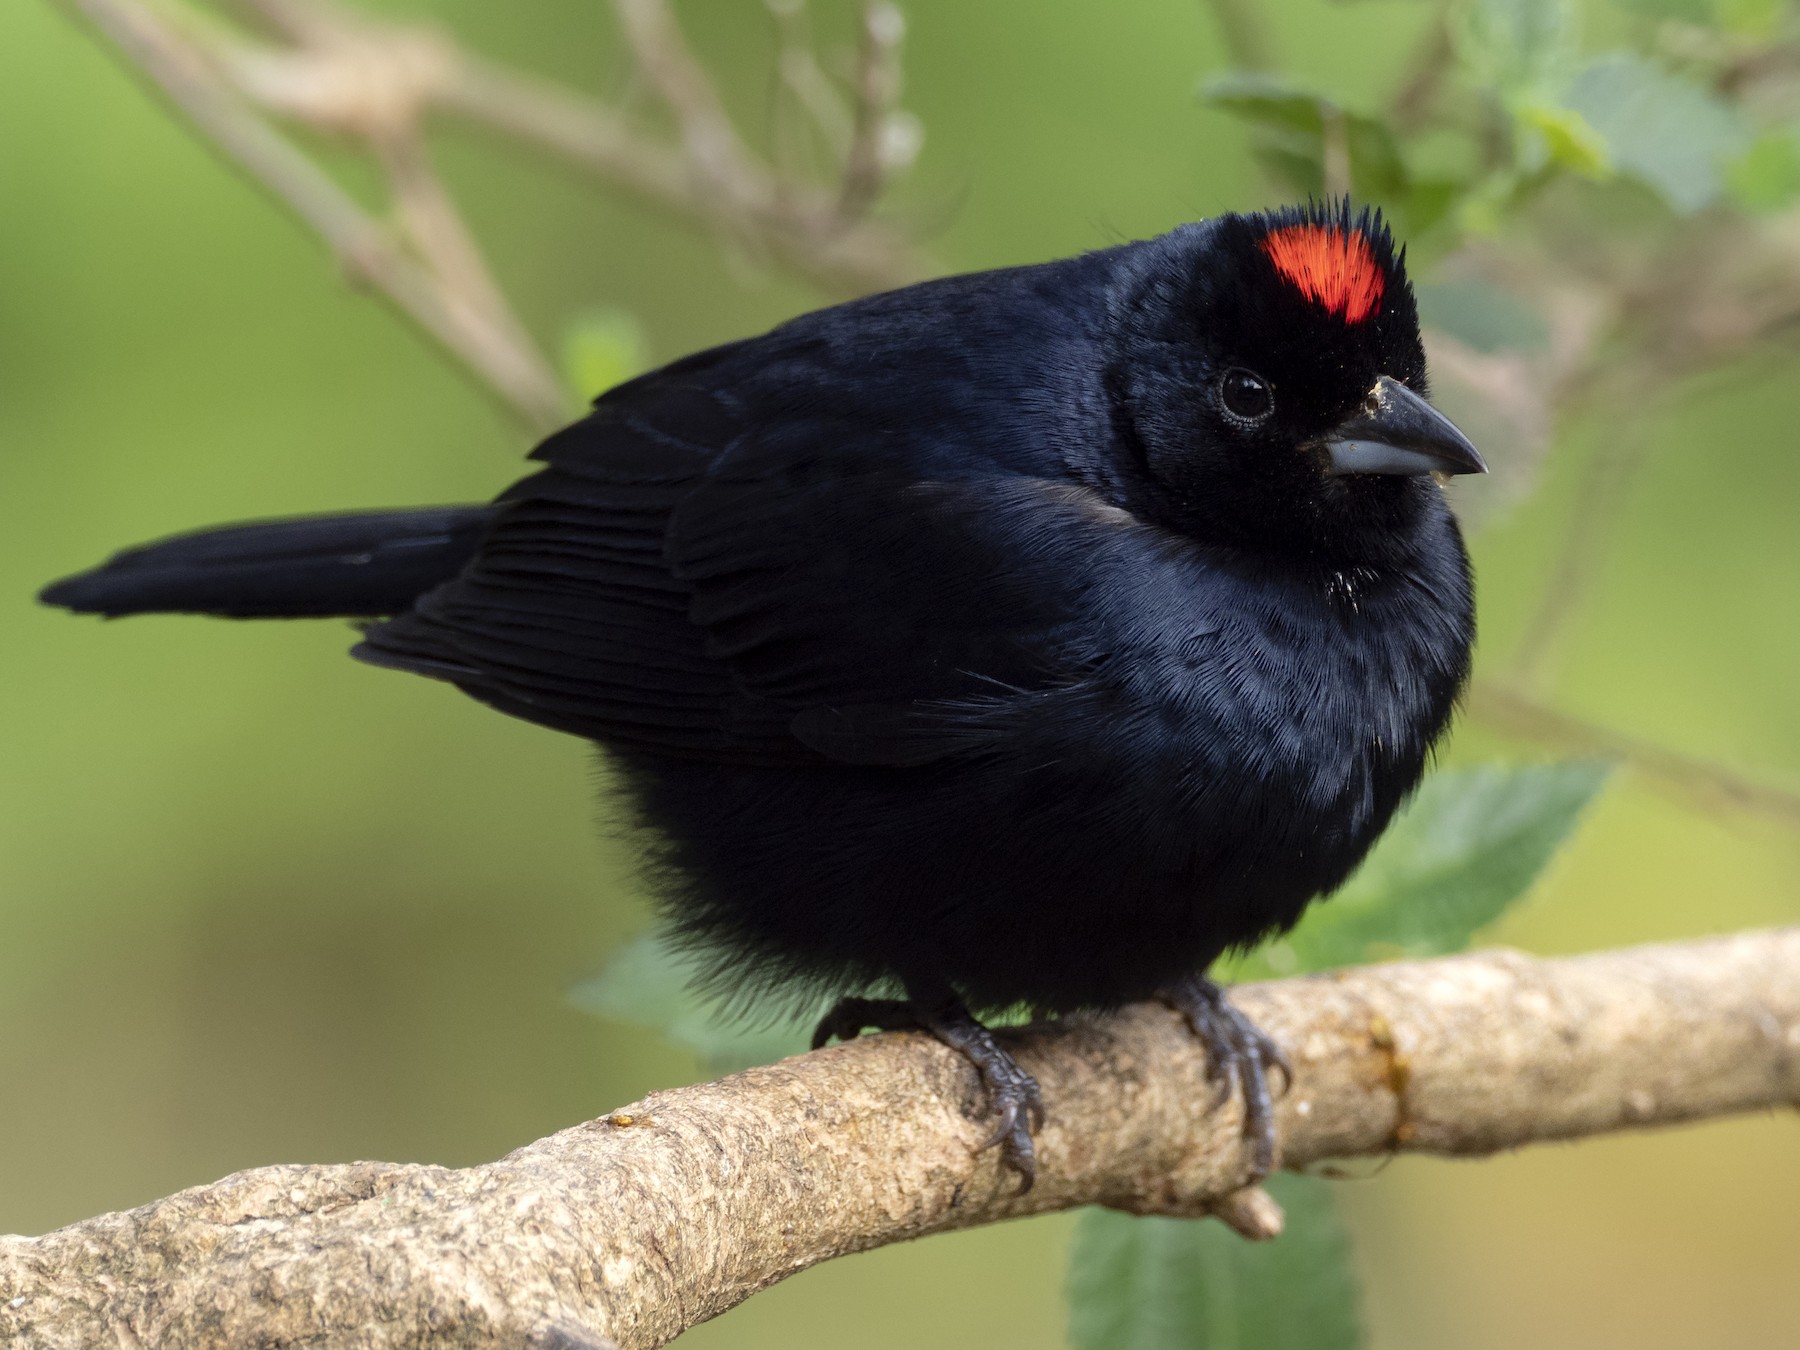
point(690, 577)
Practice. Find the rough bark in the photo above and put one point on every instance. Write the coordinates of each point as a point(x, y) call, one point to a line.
point(628, 1229)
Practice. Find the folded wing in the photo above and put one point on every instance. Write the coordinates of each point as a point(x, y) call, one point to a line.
point(685, 578)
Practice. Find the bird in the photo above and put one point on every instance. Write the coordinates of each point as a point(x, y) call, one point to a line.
point(1030, 638)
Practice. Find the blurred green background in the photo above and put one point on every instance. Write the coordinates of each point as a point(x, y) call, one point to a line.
point(259, 903)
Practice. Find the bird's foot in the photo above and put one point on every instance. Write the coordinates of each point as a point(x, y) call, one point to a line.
point(1013, 1094)
point(1241, 1056)
point(850, 1017)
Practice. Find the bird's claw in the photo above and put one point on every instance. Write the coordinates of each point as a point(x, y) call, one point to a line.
point(1241, 1056)
point(1015, 1097)
point(1013, 1094)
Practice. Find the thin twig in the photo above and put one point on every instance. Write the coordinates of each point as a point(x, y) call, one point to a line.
point(866, 161)
point(809, 88)
point(794, 222)
point(715, 152)
point(1429, 66)
point(1703, 784)
point(430, 218)
point(573, 126)
point(375, 82)
point(1599, 502)
point(747, 201)
point(366, 251)
point(1244, 29)
point(1334, 150)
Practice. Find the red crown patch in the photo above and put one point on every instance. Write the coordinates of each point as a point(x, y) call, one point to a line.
point(1336, 268)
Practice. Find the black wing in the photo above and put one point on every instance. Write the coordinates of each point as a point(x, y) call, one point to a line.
point(685, 578)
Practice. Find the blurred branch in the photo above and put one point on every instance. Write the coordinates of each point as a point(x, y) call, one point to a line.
point(1701, 783)
point(877, 134)
point(1618, 337)
point(1599, 502)
point(1427, 69)
point(376, 84)
point(629, 1229)
point(803, 86)
point(1334, 150)
point(1625, 326)
point(1244, 28)
point(476, 326)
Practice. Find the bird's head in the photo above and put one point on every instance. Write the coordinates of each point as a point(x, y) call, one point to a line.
point(1272, 382)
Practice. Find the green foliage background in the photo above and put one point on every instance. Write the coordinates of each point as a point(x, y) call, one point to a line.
point(258, 903)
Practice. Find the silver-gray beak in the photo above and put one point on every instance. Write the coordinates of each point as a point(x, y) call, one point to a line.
point(1398, 432)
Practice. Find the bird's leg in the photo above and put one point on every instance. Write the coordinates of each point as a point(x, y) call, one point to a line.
point(1241, 1056)
point(1012, 1093)
point(849, 1017)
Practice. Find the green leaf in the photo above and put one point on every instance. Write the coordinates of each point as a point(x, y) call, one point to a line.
point(1291, 122)
point(1481, 315)
point(648, 983)
point(1673, 134)
point(1180, 1284)
point(1267, 101)
point(1290, 126)
point(1483, 209)
point(1685, 11)
point(1469, 844)
point(1519, 48)
point(1560, 138)
point(1287, 124)
point(602, 349)
point(1750, 18)
point(1428, 201)
point(1766, 177)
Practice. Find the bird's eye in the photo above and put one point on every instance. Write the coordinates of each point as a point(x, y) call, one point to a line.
point(1245, 395)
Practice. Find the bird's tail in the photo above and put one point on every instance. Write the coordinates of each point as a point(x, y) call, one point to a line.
point(366, 564)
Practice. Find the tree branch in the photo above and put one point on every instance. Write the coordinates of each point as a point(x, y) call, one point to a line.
point(376, 84)
point(629, 1229)
point(1703, 784)
point(477, 327)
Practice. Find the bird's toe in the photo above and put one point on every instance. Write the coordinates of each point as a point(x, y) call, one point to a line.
point(1241, 1058)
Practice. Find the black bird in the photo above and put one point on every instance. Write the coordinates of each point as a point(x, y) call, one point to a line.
point(1024, 638)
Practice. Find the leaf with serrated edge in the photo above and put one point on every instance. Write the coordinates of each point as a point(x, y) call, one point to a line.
point(1175, 1284)
point(1469, 844)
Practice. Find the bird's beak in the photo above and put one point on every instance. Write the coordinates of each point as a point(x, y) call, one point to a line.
point(1398, 432)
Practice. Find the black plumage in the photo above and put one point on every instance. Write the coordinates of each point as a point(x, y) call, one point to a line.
point(1029, 637)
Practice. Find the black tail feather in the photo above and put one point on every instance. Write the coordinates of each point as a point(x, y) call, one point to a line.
point(365, 564)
